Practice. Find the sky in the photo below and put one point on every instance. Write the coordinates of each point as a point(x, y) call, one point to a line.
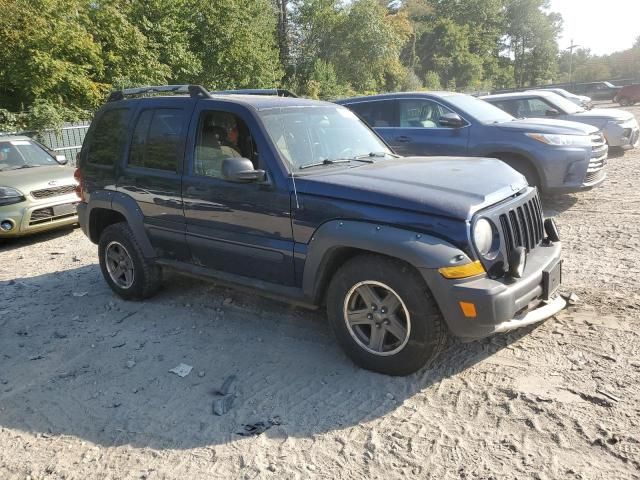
point(604, 26)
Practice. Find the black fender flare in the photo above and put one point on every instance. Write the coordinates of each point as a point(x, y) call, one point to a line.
point(129, 209)
point(417, 249)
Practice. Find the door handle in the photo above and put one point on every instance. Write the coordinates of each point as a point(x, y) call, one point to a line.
point(403, 139)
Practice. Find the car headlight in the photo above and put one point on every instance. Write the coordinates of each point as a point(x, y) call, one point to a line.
point(483, 236)
point(9, 196)
point(553, 139)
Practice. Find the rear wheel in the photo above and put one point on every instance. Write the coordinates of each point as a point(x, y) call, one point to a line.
point(384, 316)
point(124, 267)
point(624, 101)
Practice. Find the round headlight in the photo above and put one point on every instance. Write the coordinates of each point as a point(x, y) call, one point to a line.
point(483, 236)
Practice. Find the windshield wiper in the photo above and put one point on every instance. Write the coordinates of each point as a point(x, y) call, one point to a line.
point(368, 156)
point(23, 166)
point(326, 161)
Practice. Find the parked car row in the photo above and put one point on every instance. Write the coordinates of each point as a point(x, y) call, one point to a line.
point(553, 155)
point(408, 216)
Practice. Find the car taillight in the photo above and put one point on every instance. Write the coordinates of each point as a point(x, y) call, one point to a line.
point(79, 188)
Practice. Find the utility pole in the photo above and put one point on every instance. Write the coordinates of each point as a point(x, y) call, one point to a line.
point(570, 48)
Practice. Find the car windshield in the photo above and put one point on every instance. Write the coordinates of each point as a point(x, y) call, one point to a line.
point(15, 154)
point(482, 111)
point(563, 104)
point(317, 136)
point(562, 93)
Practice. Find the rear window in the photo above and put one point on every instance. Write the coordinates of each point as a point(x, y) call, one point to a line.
point(378, 114)
point(107, 137)
point(157, 140)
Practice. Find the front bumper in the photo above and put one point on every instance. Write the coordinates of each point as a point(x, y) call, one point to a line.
point(501, 304)
point(572, 169)
point(32, 217)
point(625, 136)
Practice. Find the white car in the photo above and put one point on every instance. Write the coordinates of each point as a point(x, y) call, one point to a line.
point(619, 127)
point(580, 100)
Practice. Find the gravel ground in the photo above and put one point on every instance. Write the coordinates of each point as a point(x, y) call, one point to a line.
point(86, 392)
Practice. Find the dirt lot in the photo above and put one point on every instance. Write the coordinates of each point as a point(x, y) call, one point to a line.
point(85, 388)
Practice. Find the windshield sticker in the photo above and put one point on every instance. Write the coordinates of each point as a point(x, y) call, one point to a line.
point(20, 142)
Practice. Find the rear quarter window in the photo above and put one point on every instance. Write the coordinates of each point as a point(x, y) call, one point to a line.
point(107, 137)
point(158, 140)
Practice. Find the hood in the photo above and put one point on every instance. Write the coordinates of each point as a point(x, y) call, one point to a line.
point(37, 178)
point(548, 125)
point(604, 114)
point(453, 187)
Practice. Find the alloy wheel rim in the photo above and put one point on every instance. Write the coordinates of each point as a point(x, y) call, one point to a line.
point(377, 318)
point(119, 265)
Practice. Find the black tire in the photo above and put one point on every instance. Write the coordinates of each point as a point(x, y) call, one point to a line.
point(624, 101)
point(427, 333)
point(525, 168)
point(147, 276)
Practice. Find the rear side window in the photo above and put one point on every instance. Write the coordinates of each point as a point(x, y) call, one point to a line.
point(108, 137)
point(376, 114)
point(158, 140)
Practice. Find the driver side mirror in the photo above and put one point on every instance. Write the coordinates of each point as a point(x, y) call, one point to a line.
point(552, 112)
point(451, 120)
point(61, 159)
point(239, 169)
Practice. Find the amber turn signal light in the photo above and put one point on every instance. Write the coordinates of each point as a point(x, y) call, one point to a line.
point(462, 271)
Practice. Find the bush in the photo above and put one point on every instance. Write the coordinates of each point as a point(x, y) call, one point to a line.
point(40, 116)
point(410, 82)
point(432, 81)
point(323, 82)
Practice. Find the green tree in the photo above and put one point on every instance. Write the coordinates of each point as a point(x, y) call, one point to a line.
point(235, 43)
point(167, 28)
point(362, 40)
point(532, 32)
point(47, 53)
point(128, 56)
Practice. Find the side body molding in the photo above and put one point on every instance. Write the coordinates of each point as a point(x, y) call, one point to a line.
point(128, 208)
point(419, 250)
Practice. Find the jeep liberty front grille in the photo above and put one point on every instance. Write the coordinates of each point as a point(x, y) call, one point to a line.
point(522, 225)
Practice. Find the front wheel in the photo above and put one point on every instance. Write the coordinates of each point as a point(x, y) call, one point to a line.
point(384, 316)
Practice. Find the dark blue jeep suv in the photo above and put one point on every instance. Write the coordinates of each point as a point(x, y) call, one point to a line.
point(300, 200)
point(556, 156)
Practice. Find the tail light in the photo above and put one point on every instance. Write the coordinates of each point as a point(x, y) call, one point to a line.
point(80, 187)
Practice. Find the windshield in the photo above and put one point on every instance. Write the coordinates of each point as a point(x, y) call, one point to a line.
point(320, 135)
point(563, 104)
point(482, 111)
point(562, 92)
point(16, 154)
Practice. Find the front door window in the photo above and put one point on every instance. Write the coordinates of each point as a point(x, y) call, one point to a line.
point(221, 135)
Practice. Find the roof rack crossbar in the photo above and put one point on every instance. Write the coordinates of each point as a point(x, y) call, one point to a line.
point(194, 91)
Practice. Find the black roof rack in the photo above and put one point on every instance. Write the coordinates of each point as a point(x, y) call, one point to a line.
point(280, 92)
point(195, 91)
